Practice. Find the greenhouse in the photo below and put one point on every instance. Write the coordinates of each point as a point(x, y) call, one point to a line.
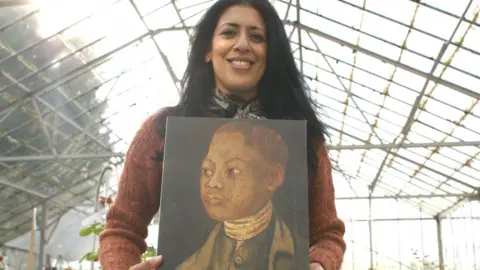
point(398, 84)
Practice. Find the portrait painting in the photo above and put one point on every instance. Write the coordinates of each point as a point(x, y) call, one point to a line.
point(234, 195)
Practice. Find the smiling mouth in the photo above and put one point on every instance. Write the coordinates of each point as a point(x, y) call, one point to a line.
point(242, 64)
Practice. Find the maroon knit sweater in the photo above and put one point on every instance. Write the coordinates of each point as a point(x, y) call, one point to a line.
point(138, 199)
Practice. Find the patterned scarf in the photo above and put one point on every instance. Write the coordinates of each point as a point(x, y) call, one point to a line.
point(231, 106)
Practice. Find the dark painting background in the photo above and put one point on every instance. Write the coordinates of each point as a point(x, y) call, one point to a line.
point(184, 224)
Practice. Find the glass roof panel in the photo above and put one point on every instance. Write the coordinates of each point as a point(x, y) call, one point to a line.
point(69, 85)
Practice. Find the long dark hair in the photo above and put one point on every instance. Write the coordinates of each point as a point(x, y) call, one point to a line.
point(283, 93)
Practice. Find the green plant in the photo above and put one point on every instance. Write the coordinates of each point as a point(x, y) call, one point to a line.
point(150, 252)
point(425, 262)
point(96, 228)
point(2, 264)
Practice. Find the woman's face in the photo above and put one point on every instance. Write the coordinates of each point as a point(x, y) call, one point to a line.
point(235, 180)
point(239, 51)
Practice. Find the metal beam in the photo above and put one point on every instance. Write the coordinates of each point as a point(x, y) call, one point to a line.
point(403, 219)
point(44, 127)
point(13, 3)
point(415, 71)
point(299, 31)
point(381, 57)
point(406, 145)
point(37, 194)
point(426, 196)
point(330, 147)
point(370, 232)
point(418, 100)
point(55, 225)
point(448, 13)
point(4, 182)
point(364, 33)
point(369, 11)
point(72, 74)
point(101, 181)
point(60, 157)
point(73, 184)
point(43, 229)
point(289, 5)
point(441, 264)
point(64, 117)
point(56, 34)
point(55, 125)
point(345, 88)
point(410, 120)
point(455, 179)
point(160, 52)
point(461, 202)
point(182, 21)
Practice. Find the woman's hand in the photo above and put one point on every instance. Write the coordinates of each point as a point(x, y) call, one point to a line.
point(150, 264)
point(316, 266)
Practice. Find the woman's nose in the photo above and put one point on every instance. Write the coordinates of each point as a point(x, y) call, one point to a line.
point(242, 44)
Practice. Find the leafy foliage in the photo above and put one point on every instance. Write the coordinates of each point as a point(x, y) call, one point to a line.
point(90, 256)
point(96, 228)
point(150, 252)
point(425, 262)
point(2, 264)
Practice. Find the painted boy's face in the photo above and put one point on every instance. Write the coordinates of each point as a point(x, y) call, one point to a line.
point(235, 179)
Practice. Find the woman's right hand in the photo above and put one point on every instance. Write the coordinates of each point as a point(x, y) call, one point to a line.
point(150, 264)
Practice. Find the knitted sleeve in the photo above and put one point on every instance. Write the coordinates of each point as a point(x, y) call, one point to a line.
point(123, 240)
point(326, 229)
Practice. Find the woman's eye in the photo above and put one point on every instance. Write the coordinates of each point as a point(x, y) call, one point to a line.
point(257, 37)
point(229, 33)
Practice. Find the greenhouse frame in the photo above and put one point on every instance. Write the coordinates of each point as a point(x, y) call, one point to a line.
point(399, 89)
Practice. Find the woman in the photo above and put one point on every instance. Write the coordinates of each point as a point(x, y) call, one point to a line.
point(240, 66)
